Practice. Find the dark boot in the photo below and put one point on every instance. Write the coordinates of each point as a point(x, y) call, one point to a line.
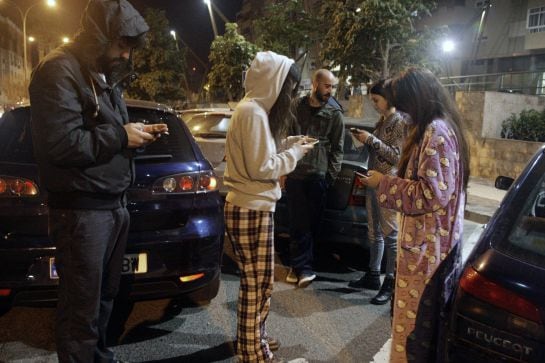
point(370, 281)
point(385, 293)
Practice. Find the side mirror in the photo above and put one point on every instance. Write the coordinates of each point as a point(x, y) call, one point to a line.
point(503, 182)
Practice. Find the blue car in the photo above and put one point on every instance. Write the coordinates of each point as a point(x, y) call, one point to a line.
point(498, 313)
point(176, 236)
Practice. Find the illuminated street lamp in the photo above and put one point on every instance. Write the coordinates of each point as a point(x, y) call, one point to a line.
point(448, 46)
point(24, 15)
point(173, 33)
point(209, 4)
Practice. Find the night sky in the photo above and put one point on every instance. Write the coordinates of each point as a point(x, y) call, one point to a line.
point(189, 18)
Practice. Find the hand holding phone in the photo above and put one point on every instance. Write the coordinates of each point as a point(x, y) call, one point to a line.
point(354, 130)
point(310, 140)
point(362, 174)
point(156, 129)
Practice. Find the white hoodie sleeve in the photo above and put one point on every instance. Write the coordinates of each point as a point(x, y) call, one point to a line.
point(260, 154)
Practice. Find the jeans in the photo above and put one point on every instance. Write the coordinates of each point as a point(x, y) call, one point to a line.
point(377, 240)
point(90, 247)
point(306, 202)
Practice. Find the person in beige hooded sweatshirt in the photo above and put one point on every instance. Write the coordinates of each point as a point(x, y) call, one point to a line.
point(258, 154)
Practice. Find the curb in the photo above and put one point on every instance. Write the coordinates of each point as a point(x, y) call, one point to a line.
point(476, 216)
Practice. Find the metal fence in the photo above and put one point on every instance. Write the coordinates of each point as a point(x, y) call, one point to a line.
point(531, 83)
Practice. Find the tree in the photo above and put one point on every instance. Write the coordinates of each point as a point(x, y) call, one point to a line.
point(160, 64)
point(287, 27)
point(371, 39)
point(230, 55)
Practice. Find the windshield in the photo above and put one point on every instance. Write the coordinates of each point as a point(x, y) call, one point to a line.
point(175, 144)
point(526, 240)
point(206, 125)
point(16, 142)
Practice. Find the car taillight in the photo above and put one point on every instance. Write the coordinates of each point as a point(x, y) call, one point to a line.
point(13, 187)
point(201, 182)
point(482, 288)
point(5, 292)
point(358, 193)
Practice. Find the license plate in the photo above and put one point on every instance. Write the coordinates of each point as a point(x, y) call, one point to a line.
point(134, 263)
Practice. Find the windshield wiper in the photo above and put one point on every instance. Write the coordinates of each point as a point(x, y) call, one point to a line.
point(153, 157)
point(206, 135)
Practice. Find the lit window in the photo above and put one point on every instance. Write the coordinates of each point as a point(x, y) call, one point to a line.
point(536, 19)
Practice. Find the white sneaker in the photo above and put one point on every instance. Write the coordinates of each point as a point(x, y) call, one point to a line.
point(305, 279)
point(291, 277)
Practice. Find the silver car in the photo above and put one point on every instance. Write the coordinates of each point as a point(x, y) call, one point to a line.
point(209, 128)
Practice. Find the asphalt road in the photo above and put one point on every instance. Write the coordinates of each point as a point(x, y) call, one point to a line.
point(326, 322)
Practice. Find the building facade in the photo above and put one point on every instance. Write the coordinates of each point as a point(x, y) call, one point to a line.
point(505, 38)
point(11, 61)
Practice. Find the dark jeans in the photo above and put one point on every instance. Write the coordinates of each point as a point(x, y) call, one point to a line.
point(306, 201)
point(90, 246)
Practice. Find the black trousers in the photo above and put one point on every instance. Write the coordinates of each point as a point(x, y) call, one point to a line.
point(306, 202)
point(90, 246)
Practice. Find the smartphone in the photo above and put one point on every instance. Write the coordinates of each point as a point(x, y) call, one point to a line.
point(354, 130)
point(310, 141)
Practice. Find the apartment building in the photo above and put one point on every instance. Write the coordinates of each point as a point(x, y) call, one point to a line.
point(502, 37)
point(11, 61)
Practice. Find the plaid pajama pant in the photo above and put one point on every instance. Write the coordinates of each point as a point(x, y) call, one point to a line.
point(251, 233)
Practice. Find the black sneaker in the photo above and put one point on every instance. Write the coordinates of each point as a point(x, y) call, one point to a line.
point(370, 281)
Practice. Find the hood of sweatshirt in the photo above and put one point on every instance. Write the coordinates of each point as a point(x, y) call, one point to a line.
point(265, 77)
point(105, 21)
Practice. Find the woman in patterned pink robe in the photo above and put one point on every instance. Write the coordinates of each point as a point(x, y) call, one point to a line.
point(429, 194)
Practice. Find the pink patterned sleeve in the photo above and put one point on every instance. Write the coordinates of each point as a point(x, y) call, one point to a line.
point(436, 177)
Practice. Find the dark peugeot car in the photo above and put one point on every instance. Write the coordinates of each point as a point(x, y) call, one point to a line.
point(499, 310)
point(176, 236)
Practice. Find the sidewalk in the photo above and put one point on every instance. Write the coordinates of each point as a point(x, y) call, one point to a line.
point(483, 199)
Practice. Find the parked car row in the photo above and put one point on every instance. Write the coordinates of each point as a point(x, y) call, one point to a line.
point(345, 216)
point(176, 236)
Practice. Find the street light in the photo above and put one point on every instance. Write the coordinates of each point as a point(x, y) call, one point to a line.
point(209, 4)
point(173, 33)
point(24, 14)
point(448, 46)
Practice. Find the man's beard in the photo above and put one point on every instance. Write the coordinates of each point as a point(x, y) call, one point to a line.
point(322, 98)
point(119, 72)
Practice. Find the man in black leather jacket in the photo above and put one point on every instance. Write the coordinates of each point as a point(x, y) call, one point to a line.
point(307, 185)
point(83, 144)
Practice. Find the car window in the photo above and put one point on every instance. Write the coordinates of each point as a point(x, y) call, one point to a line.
point(526, 240)
point(176, 143)
point(16, 142)
point(15, 139)
point(209, 125)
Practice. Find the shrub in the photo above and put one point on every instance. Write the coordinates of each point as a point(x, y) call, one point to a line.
point(529, 125)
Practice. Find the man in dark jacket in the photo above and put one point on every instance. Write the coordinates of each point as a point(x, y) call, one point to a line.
point(83, 140)
point(306, 186)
